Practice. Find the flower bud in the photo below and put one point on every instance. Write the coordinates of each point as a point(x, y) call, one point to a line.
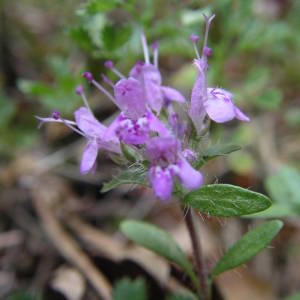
point(109, 64)
point(194, 38)
point(79, 90)
point(89, 76)
point(56, 115)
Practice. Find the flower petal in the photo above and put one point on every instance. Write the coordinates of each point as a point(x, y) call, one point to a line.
point(162, 182)
point(219, 105)
point(87, 123)
point(240, 115)
point(156, 125)
point(89, 156)
point(190, 178)
point(199, 94)
point(172, 94)
point(162, 150)
point(150, 78)
point(130, 97)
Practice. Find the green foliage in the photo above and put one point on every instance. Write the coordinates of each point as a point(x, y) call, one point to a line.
point(215, 151)
point(226, 200)
point(248, 246)
point(59, 95)
point(283, 187)
point(22, 295)
point(135, 174)
point(295, 296)
point(8, 110)
point(15, 130)
point(130, 289)
point(182, 297)
point(292, 117)
point(159, 241)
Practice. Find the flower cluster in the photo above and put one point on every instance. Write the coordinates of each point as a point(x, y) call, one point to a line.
point(150, 119)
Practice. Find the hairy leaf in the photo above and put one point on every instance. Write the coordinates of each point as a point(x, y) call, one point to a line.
point(248, 246)
point(226, 200)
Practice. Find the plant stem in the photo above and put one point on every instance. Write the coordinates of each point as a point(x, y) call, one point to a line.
point(198, 255)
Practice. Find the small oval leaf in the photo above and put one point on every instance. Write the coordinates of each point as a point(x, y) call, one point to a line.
point(225, 200)
point(159, 241)
point(136, 174)
point(248, 246)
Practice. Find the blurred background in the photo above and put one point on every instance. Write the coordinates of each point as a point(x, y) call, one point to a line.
point(59, 236)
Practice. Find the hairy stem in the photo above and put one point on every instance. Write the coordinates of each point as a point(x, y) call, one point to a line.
point(198, 255)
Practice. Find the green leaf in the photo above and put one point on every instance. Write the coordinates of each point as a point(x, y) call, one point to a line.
point(182, 296)
point(100, 6)
point(159, 241)
point(292, 117)
point(115, 36)
point(283, 187)
point(277, 210)
point(225, 200)
point(7, 112)
point(34, 88)
point(270, 99)
point(215, 151)
point(136, 174)
point(248, 246)
point(293, 297)
point(129, 289)
point(22, 295)
point(219, 150)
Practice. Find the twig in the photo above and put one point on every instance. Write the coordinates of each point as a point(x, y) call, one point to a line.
point(199, 259)
point(70, 249)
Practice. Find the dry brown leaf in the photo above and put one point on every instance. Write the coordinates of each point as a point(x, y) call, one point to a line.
point(69, 282)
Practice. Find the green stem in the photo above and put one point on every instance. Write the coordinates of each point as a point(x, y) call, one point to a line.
point(198, 255)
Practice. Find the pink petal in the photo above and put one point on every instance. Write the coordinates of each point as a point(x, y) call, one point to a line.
point(240, 115)
point(190, 178)
point(219, 105)
point(130, 97)
point(87, 123)
point(162, 183)
point(199, 92)
point(156, 125)
point(150, 78)
point(220, 111)
point(172, 94)
point(89, 156)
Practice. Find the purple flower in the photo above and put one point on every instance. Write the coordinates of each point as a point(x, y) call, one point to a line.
point(150, 79)
point(199, 95)
point(138, 131)
point(166, 162)
point(215, 102)
point(98, 137)
point(220, 107)
point(130, 97)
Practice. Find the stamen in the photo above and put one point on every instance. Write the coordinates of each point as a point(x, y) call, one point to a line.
point(195, 38)
point(207, 51)
point(145, 48)
point(91, 79)
point(155, 54)
point(107, 80)
point(79, 91)
point(208, 21)
point(55, 118)
point(110, 65)
point(72, 127)
point(103, 90)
